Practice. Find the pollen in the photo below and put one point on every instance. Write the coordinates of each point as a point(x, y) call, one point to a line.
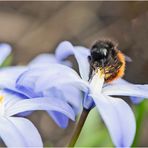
point(1, 99)
point(100, 73)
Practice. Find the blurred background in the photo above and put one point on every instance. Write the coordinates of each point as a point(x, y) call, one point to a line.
point(36, 27)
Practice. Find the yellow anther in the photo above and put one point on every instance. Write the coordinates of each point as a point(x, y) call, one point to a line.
point(100, 73)
point(1, 99)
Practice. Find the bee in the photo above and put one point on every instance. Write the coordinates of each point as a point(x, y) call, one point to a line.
point(106, 57)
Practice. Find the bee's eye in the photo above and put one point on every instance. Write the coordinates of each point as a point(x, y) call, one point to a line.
point(99, 53)
point(103, 51)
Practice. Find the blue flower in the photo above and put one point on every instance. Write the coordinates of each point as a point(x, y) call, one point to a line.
point(115, 112)
point(81, 54)
point(9, 75)
point(5, 51)
point(18, 131)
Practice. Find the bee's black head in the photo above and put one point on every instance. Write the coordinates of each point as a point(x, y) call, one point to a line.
point(101, 51)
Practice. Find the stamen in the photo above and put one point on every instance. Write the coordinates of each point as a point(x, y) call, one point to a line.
point(100, 73)
point(1, 99)
point(1, 105)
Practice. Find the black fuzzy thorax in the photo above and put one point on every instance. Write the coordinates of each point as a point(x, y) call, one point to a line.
point(104, 55)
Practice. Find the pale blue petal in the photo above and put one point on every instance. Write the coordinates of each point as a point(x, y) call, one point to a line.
point(136, 100)
point(59, 80)
point(127, 89)
point(34, 82)
point(38, 79)
point(19, 132)
point(68, 93)
point(48, 104)
point(64, 50)
point(9, 133)
point(10, 98)
point(60, 119)
point(118, 118)
point(20, 93)
point(26, 81)
point(81, 54)
point(73, 96)
point(136, 97)
point(9, 75)
point(5, 50)
point(88, 102)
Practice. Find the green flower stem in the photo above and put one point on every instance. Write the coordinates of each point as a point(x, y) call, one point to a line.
point(78, 128)
point(140, 114)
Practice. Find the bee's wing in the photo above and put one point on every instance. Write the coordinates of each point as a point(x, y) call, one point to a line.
point(127, 58)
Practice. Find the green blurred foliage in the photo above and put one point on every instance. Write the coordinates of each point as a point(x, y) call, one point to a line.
point(140, 111)
point(94, 133)
point(146, 106)
point(8, 61)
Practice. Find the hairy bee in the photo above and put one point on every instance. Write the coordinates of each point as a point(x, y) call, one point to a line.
point(106, 57)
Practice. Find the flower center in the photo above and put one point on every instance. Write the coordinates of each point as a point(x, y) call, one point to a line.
point(1, 105)
point(1, 99)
